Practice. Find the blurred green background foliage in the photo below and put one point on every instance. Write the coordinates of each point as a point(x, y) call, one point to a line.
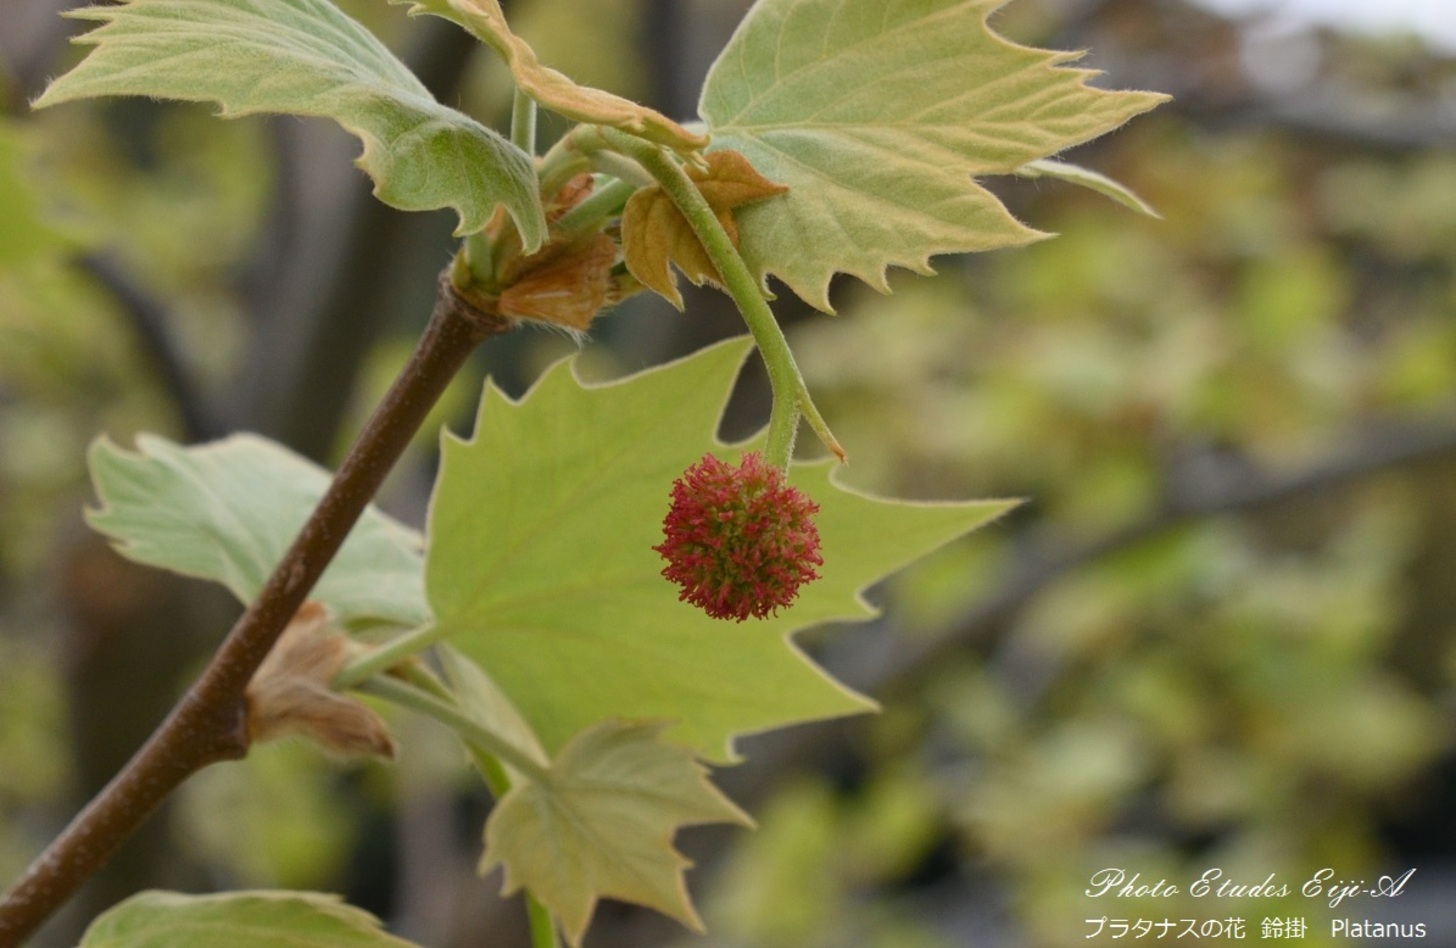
point(1219, 632)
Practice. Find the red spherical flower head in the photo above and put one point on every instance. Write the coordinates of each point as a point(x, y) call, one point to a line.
point(739, 541)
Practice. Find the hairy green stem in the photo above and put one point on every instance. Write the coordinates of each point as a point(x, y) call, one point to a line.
point(523, 122)
point(476, 251)
point(562, 162)
point(543, 926)
point(607, 199)
point(407, 695)
point(611, 163)
point(380, 659)
point(478, 254)
point(790, 394)
point(422, 678)
point(209, 723)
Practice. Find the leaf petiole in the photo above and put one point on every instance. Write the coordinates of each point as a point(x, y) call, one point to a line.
point(479, 259)
point(543, 926)
point(420, 676)
point(382, 658)
point(407, 695)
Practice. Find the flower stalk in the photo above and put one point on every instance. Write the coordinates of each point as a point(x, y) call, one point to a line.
point(791, 399)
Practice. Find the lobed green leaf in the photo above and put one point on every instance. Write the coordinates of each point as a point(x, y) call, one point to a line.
point(257, 919)
point(486, 21)
point(227, 511)
point(877, 114)
point(305, 57)
point(540, 565)
point(601, 825)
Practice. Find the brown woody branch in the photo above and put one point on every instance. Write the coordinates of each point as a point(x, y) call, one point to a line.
point(209, 723)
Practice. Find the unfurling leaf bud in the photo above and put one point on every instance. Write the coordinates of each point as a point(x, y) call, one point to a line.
point(739, 541)
point(291, 692)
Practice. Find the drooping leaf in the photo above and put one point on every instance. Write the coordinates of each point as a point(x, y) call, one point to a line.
point(540, 564)
point(1089, 179)
point(256, 919)
point(227, 511)
point(655, 233)
point(485, 20)
point(601, 825)
point(305, 57)
point(877, 114)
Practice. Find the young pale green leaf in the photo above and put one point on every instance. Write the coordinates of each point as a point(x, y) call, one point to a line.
point(258, 919)
point(227, 511)
point(1089, 179)
point(877, 114)
point(540, 564)
point(485, 20)
point(305, 57)
point(602, 825)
